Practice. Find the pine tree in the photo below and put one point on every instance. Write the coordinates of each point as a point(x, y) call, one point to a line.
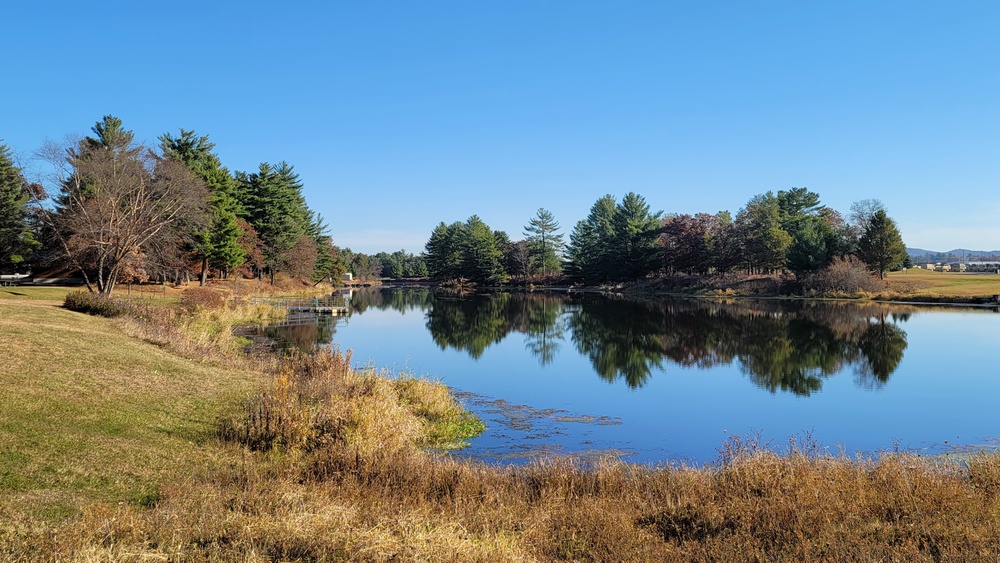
point(634, 245)
point(815, 241)
point(272, 202)
point(217, 245)
point(764, 243)
point(881, 247)
point(17, 240)
point(588, 252)
point(443, 252)
point(615, 241)
point(545, 243)
point(482, 257)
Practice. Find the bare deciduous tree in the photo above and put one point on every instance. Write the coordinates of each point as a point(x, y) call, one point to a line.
point(115, 197)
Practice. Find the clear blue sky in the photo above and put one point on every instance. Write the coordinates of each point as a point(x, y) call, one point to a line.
point(399, 115)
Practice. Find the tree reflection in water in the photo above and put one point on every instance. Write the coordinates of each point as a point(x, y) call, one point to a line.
point(782, 346)
point(789, 346)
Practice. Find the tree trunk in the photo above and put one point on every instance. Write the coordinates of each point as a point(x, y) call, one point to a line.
point(204, 271)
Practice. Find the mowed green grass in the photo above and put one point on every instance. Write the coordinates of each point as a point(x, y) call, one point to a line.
point(33, 293)
point(90, 414)
point(947, 284)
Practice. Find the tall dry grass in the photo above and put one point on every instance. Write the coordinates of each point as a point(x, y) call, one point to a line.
point(337, 503)
point(200, 325)
point(318, 401)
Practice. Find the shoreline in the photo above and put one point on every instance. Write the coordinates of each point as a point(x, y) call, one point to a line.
point(981, 301)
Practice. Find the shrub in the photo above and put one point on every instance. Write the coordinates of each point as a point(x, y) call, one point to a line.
point(94, 304)
point(845, 274)
point(203, 297)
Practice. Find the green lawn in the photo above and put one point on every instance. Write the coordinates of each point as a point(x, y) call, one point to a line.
point(88, 413)
point(147, 292)
point(34, 292)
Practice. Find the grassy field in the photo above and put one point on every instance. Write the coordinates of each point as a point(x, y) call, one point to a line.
point(90, 414)
point(34, 293)
point(151, 293)
point(945, 284)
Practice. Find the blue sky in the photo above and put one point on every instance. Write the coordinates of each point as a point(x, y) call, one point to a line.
point(399, 115)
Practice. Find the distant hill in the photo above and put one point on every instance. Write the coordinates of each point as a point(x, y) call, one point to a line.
point(954, 254)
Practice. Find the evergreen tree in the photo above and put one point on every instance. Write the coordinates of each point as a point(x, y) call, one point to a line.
point(482, 256)
point(218, 244)
point(815, 242)
point(634, 245)
point(881, 247)
point(272, 202)
point(796, 205)
point(764, 243)
point(545, 243)
point(858, 218)
point(17, 240)
point(467, 250)
point(615, 241)
point(813, 246)
point(443, 252)
point(328, 267)
point(588, 251)
point(402, 264)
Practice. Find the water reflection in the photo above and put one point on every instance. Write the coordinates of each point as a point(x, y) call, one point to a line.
point(787, 346)
point(299, 331)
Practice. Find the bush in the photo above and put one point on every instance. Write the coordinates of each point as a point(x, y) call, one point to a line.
point(203, 297)
point(94, 304)
point(846, 274)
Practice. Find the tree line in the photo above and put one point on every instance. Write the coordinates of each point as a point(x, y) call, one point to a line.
point(115, 210)
point(790, 230)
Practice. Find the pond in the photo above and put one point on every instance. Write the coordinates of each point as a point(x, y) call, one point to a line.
point(670, 380)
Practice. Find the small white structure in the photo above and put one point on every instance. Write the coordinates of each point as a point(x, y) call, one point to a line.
point(12, 279)
point(348, 277)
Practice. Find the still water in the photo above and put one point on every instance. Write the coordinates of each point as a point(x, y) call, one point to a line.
point(670, 380)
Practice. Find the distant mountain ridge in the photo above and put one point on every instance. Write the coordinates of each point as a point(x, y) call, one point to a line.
point(954, 253)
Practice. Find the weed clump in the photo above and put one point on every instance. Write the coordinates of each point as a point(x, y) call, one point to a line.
point(95, 304)
point(203, 297)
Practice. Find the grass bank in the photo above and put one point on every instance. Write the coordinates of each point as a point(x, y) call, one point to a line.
point(944, 286)
point(90, 414)
point(118, 447)
point(914, 285)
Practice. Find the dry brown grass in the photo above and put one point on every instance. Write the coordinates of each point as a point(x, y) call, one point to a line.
point(938, 285)
point(336, 504)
